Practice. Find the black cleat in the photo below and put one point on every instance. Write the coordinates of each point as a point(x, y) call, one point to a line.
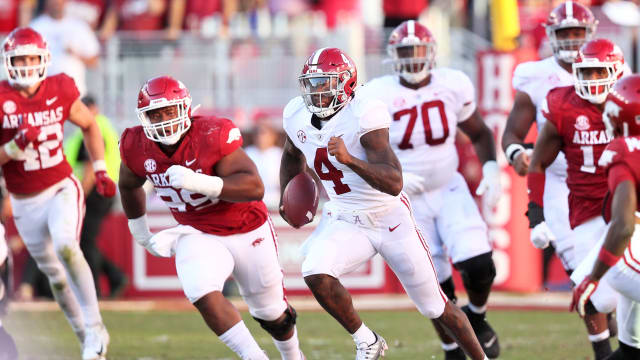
point(486, 335)
point(455, 354)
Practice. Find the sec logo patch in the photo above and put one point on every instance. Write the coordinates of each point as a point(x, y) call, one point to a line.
point(150, 165)
point(302, 136)
point(9, 107)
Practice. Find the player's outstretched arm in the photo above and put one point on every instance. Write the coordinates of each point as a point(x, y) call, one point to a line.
point(82, 117)
point(480, 135)
point(292, 163)
point(381, 170)
point(241, 181)
point(520, 119)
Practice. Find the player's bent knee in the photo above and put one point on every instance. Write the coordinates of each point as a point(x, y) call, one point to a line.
point(478, 272)
point(67, 252)
point(282, 325)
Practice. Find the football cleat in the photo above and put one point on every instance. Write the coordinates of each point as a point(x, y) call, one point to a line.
point(486, 335)
point(455, 354)
point(373, 351)
point(95, 343)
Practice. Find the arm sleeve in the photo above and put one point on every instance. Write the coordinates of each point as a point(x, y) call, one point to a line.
point(123, 143)
point(466, 97)
point(68, 88)
point(549, 111)
point(230, 138)
point(375, 115)
point(520, 80)
point(618, 173)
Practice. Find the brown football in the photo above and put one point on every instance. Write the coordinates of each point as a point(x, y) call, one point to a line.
point(300, 199)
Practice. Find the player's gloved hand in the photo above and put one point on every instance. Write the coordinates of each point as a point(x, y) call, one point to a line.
point(535, 214)
point(181, 177)
point(412, 183)
point(489, 187)
point(104, 185)
point(582, 293)
point(541, 235)
point(141, 233)
point(26, 135)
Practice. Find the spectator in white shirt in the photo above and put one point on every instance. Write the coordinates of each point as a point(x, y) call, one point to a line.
point(72, 43)
point(266, 154)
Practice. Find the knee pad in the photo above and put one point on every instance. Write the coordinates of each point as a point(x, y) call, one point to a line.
point(67, 252)
point(478, 272)
point(449, 289)
point(279, 327)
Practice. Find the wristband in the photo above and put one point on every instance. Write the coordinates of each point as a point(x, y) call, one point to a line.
point(607, 258)
point(99, 165)
point(512, 151)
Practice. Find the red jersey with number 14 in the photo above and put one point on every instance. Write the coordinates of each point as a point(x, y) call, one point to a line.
point(208, 140)
point(584, 136)
point(47, 109)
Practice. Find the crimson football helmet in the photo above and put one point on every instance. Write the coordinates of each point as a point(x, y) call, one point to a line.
point(327, 81)
point(569, 15)
point(412, 49)
point(598, 53)
point(622, 111)
point(160, 92)
point(20, 42)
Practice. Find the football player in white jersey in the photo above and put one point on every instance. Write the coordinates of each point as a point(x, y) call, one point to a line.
point(344, 138)
point(427, 106)
point(568, 26)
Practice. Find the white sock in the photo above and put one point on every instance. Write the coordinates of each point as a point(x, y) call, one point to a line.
point(240, 341)
point(449, 347)
point(599, 337)
point(81, 281)
point(478, 309)
point(69, 305)
point(289, 349)
point(364, 335)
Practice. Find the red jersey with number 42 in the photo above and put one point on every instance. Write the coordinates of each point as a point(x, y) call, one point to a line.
point(208, 140)
point(579, 122)
point(45, 163)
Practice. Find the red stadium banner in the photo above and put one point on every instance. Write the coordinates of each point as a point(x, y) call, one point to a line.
point(518, 263)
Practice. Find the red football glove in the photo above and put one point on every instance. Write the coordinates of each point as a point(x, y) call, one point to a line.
point(26, 135)
point(582, 293)
point(104, 185)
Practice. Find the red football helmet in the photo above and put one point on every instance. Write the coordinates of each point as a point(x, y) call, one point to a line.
point(569, 15)
point(20, 42)
point(160, 92)
point(412, 48)
point(598, 53)
point(622, 110)
point(327, 81)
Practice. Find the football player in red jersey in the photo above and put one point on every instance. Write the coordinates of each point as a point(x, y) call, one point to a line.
point(575, 127)
point(622, 240)
point(47, 200)
point(214, 192)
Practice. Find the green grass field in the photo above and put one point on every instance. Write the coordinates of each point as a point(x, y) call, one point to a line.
point(183, 335)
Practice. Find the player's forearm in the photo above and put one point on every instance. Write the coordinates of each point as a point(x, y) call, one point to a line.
point(291, 165)
point(134, 201)
point(485, 146)
point(241, 187)
point(380, 176)
point(93, 141)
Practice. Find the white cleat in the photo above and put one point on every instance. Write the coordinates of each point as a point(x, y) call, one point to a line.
point(95, 343)
point(373, 351)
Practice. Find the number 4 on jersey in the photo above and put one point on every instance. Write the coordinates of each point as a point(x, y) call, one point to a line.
point(332, 174)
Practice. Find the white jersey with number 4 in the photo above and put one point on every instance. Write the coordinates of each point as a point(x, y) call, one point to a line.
point(425, 120)
point(346, 189)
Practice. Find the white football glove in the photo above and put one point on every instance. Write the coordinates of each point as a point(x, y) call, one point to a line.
point(489, 187)
point(412, 183)
point(181, 177)
point(139, 228)
point(541, 235)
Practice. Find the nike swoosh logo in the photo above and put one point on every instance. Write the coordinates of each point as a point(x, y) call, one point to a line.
point(51, 101)
point(393, 228)
point(190, 162)
point(490, 342)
